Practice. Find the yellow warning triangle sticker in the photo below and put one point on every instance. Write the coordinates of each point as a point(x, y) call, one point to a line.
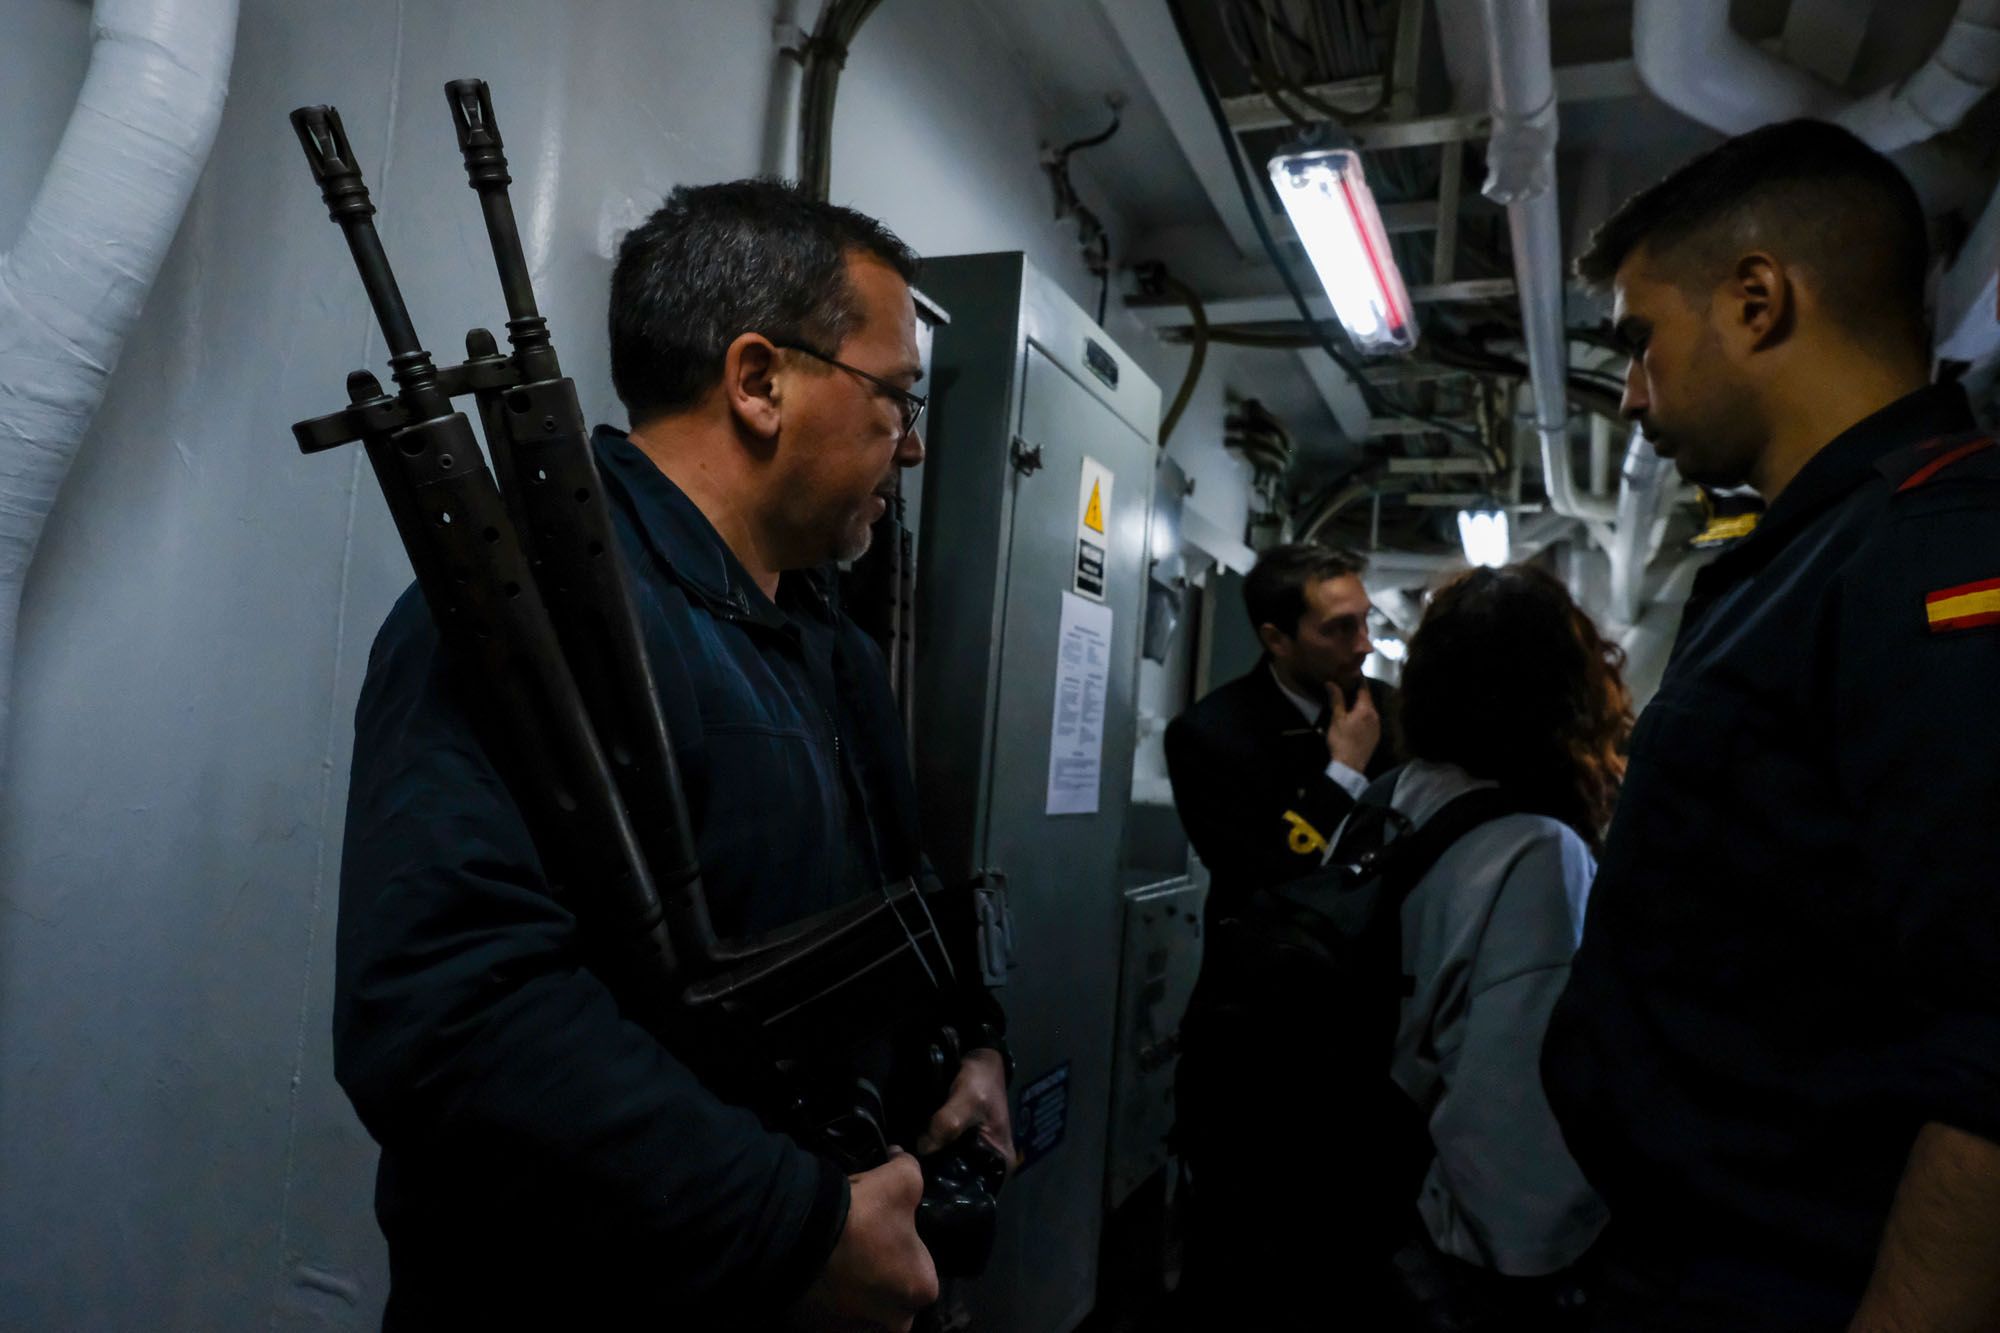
point(1093, 513)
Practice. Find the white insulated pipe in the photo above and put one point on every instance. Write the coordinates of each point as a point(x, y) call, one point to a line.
point(1600, 453)
point(1644, 484)
point(1968, 295)
point(1690, 58)
point(1962, 70)
point(1521, 174)
point(73, 283)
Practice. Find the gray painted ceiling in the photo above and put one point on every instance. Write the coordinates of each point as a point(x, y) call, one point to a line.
point(1157, 206)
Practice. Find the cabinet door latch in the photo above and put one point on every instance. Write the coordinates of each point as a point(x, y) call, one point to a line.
point(996, 926)
point(1027, 458)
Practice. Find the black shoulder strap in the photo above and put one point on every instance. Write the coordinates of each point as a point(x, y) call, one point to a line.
point(1411, 857)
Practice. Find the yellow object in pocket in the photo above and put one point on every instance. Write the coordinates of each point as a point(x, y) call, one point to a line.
point(1304, 839)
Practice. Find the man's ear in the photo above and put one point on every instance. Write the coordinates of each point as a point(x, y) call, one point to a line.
point(750, 385)
point(1276, 642)
point(1763, 299)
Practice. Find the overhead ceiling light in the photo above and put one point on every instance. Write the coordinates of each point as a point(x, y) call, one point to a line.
point(1326, 195)
point(1483, 533)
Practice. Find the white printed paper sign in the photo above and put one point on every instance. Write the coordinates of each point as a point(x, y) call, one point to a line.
point(1083, 680)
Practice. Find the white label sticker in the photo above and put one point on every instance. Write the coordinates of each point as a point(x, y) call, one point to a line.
point(1093, 514)
point(1076, 733)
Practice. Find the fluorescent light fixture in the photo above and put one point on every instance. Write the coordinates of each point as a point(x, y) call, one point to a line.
point(1483, 533)
point(1326, 195)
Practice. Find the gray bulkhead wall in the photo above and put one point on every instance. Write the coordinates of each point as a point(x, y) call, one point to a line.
point(173, 1151)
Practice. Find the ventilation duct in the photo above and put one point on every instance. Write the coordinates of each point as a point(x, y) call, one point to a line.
point(72, 285)
point(1964, 68)
point(1691, 59)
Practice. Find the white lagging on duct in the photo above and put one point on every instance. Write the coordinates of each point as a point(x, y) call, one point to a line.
point(1964, 68)
point(1691, 59)
point(1645, 483)
point(72, 284)
point(1521, 174)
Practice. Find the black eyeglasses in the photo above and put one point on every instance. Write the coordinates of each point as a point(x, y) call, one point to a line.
point(911, 405)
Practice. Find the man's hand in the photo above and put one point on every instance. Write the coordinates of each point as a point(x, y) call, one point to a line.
point(1354, 733)
point(978, 1101)
point(879, 1276)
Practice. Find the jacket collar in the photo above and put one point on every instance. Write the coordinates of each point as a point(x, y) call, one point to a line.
point(692, 551)
point(1301, 705)
point(1276, 707)
point(1849, 459)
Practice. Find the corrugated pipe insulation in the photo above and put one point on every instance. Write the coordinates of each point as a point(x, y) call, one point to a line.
point(73, 282)
point(1690, 58)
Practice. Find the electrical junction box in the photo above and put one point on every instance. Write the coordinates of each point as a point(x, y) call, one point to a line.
point(1031, 606)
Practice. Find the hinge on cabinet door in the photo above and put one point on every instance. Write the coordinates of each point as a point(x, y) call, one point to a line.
point(1027, 458)
point(996, 926)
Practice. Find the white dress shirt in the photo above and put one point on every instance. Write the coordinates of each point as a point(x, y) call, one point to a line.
point(1352, 782)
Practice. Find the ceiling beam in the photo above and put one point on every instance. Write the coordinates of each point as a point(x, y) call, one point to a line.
point(1255, 111)
point(1411, 372)
point(1438, 467)
point(1342, 396)
point(1146, 30)
point(1596, 82)
point(1278, 308)
point(1456, 500)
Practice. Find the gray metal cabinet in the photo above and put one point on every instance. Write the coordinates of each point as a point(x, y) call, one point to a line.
point(1035, 410)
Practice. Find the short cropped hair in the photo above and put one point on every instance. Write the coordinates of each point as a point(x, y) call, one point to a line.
point(718, 261)
point(1274, 591)
point(1813, 192)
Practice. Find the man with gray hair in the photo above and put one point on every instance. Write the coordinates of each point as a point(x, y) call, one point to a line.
point(545, 1161)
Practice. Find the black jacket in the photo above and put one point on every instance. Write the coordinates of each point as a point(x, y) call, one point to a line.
point(545, 1162)
point(1250, 783)
point(1788, 962)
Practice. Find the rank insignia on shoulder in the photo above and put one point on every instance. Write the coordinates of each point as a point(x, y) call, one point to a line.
point(1938, 455)
point(1304, 839)
point(1967, 606)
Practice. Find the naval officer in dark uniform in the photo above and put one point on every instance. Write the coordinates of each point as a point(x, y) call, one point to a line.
point(1264, 770)
point(1266, 767)
point(1778, 1056)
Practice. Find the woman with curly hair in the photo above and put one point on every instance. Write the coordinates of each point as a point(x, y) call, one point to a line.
point(1509, 685)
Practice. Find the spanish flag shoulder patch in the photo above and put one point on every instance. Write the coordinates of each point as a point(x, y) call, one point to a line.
point(1967, 606)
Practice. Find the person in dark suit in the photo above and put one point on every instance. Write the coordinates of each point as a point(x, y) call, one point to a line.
point(1264, 770)
point(1266, 767)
